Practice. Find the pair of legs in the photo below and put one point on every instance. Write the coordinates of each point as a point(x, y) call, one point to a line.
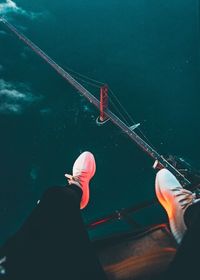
point(53, 242)
point(183, 211)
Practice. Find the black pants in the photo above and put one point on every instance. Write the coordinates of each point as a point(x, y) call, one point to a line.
point(186, 264)
point(53, 242)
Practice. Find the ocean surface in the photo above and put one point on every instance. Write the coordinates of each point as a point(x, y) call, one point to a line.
point(147, 51)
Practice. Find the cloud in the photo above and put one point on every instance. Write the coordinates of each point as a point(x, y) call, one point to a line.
point(13, 94)
point(11, 7)
point(45, 111)
point(10, 108)
point(15, 98)
point(2, 32)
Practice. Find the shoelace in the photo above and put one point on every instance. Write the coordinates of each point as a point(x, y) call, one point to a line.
point(79, 178)
point(73, 179)
point(187, 199)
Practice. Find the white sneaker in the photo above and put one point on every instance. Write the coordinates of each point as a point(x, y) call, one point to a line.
point(83, 170)
point(175, 199)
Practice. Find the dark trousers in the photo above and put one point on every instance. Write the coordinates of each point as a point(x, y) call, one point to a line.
point(53, 242)
point(186, 264)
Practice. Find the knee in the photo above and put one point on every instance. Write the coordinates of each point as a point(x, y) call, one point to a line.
point(60, 197)
point(52, 192)
point(53, 196)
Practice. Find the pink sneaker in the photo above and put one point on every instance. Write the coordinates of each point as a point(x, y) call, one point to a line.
point(175, 200)
point(83, 170)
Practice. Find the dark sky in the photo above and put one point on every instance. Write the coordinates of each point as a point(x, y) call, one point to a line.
point(148, 53)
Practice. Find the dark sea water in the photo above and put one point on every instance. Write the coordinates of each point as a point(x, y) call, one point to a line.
point(148, 53)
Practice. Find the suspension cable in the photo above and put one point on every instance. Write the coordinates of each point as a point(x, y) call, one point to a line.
point(127, 118)
point(86, 82)
point(83, 76)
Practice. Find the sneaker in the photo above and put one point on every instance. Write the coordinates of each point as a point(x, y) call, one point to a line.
point(175, 200)
point(83, 170)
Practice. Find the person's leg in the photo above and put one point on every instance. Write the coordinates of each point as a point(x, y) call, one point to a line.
point(185, 265)
point(53, 242)
point(71, 249)
point(39, 242)
point(184, 217)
